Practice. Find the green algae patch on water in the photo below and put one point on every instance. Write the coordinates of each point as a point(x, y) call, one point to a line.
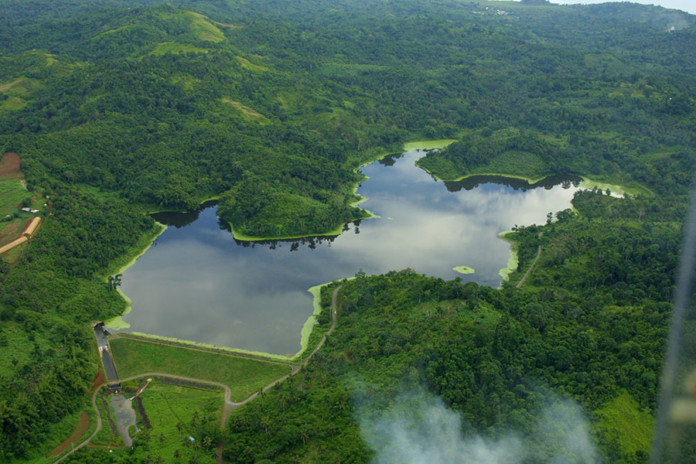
point(117, 323)
point(464, 269)
point(615, 189)
point(311, 320)
point(513, 261)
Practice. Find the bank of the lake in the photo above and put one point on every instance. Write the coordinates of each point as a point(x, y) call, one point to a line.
point(616, 189)
point(120, 266)
point(586, 183)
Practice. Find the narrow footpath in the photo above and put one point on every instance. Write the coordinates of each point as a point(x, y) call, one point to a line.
point(529, 271)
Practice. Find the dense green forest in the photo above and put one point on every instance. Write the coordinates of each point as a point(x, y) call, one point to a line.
point(119, 108)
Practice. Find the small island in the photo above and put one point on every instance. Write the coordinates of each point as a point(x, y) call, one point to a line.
point(463, 269)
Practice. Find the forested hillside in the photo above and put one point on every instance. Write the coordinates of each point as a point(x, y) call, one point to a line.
point(119, 108)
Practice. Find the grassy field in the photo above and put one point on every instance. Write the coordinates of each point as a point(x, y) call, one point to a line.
point(243, 375)
point(176, 413)
point(623, 421)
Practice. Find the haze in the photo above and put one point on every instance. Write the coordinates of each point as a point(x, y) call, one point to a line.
point(684, 5)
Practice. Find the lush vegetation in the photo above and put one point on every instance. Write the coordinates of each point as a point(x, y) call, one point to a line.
point(118, 108)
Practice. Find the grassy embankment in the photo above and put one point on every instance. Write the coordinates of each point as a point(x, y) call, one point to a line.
point(243, 375)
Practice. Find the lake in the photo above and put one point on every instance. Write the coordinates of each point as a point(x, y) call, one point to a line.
point(198, 283)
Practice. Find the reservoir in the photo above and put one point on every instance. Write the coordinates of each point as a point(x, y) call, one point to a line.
point(198, 283)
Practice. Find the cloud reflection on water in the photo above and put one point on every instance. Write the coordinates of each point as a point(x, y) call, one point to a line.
point(199, 284)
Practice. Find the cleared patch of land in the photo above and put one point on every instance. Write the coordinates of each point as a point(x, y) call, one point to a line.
point(623, 420)
point(243, 375)
point(176, 48)
point(247, 112)
point(246, 64)
point(204, 29)
point(14, 222)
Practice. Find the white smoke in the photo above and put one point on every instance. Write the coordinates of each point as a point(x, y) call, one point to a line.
point(419, 429)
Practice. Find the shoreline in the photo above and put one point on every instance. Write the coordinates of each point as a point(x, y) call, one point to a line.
point(586, 183)
point(117, 322)
point(406, 147)
point(513, 260)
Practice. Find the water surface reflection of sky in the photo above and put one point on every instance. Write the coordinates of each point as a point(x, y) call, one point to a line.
point(197, 283)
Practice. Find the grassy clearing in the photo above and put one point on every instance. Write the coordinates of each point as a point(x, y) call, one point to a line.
point(247, 112)
point(513, 261)
point(17, 92)
point(521, 163)
point(631, 189)
point(175, 48)
point(13, 196)
point(176, 413)
point(243, 375)
point(623, 421)
point(246, 64)
point(482, 315)
point(106, 436)
point(204, 29)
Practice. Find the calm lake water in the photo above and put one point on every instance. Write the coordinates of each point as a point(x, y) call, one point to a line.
point(198, 283)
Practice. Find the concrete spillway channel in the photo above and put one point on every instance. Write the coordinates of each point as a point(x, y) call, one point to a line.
point(122, 407)
point(105, 353)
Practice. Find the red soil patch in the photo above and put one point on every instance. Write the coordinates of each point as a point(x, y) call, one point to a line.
point(99, 379)
point(80, 430)
point(9, 165)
